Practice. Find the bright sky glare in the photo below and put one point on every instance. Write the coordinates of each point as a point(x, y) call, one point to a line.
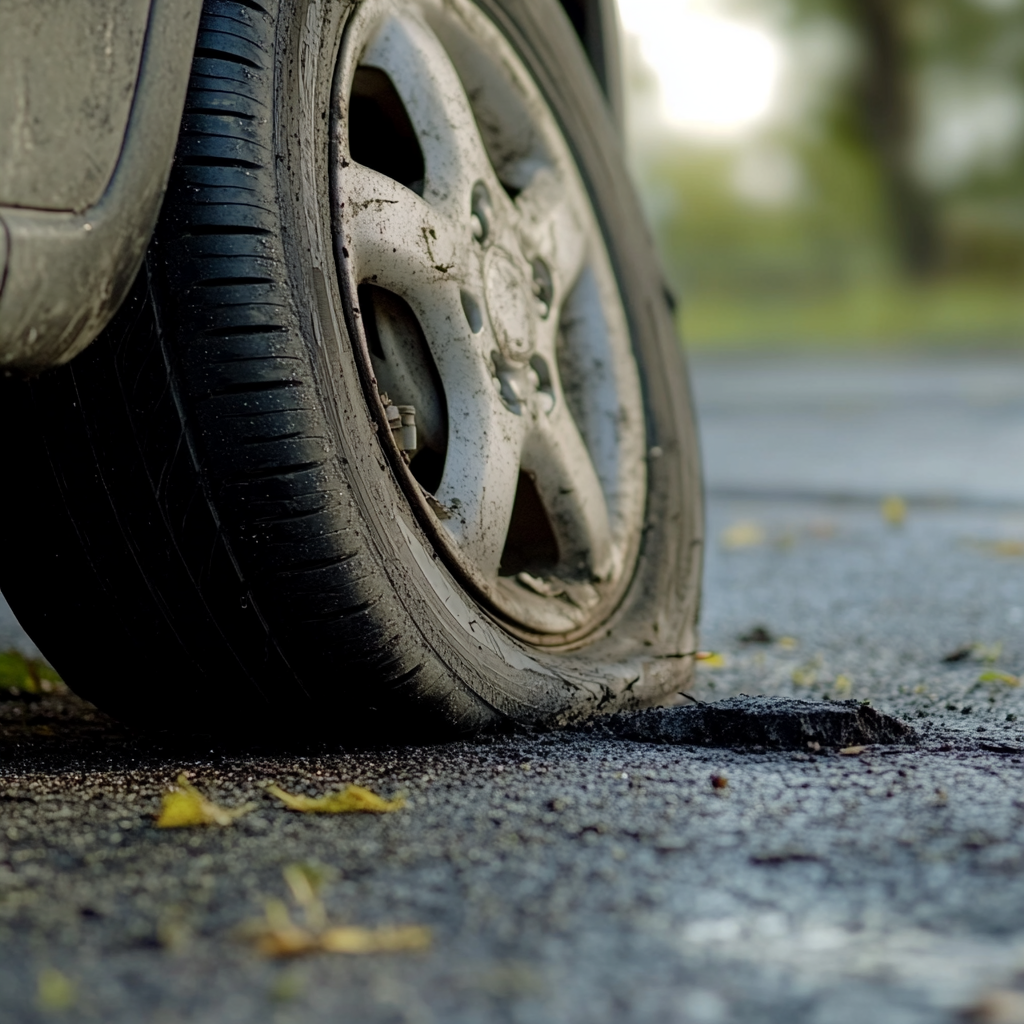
point(717, 76)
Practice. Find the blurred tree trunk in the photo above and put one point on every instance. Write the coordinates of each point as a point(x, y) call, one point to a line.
point(887, 109)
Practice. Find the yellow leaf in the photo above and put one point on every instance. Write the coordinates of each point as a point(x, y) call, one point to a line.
point(988, 652)
point(711, 659)
point(843, 684)
point(1002, 548)
point(54, 991)
point(394, 939)
point(279, 936)
point(186, 807)
point(894, 510)
point(348, 800)
point(788, 643)
point(852, 751)
point(282, 942)
point(807, 673)
point(995, 676)
point(745, 534)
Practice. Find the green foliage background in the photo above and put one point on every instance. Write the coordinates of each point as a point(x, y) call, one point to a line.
point(825, 267)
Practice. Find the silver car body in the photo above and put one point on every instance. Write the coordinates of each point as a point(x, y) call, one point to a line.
point(91, 96)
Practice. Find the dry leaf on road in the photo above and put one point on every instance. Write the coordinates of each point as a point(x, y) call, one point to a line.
point(351, 799)
point(995, 676)
point(743, 535)
point(710, 659)
point(277, 935)
point(186, 807)
point(894, 510)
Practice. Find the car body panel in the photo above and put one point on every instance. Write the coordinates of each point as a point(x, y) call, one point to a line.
point(91, 95)
point(61, 131)
point(67, 271)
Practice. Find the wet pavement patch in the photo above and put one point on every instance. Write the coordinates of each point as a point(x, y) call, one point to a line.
point(769, 723)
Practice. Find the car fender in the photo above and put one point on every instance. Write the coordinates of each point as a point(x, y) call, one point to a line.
point(65, 271)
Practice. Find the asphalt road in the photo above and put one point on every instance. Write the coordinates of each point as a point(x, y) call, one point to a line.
point(573, 879)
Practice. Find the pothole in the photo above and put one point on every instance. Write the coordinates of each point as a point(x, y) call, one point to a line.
point(769, 723)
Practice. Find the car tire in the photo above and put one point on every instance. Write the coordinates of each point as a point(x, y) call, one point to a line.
point(226, 520)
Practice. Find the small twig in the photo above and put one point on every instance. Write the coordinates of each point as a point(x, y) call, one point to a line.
point(688, 697)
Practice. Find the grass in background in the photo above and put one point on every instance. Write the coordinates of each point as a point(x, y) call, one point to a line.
point(814, 268)
point(961, 315)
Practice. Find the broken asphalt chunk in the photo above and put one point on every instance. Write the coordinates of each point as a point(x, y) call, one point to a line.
point(771, 723)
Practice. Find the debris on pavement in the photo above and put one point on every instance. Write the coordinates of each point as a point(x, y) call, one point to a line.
point(961, 653)
point(772, 723)
point(277, 935)
point(54, 991)
point(710, 659)
point(987, 653)
point(186, 807)
point(894, 510)
point(759, 634)
point(744, 534)
point(1000, 548)
point(351, 799)
point(995, 676)
point(999, 1007)
point(22, 677)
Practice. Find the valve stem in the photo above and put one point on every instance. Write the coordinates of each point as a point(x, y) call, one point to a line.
point(402, 421)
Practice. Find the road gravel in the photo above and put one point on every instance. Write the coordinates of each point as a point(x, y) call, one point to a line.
point(578, 878)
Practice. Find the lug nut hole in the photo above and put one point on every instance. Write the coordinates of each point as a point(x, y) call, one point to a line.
point(543, 287)
point(474, 316)
point(481, 212)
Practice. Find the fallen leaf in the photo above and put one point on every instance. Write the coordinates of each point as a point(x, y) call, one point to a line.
point(894, 510)
point(186, 807)
point(710, 659)
point(278, 936)
point(995, 676)
point(386, 939)
point(27, 675)
point(349, 800)
point(744, 534)
point(288, 985)
point(988, 652)
point(807, 673)
point(757, 635)
point(843, 684)
point(719, 781)
point(788, 643)
point(852, 751)
point(1002, 548)
point(54, 991)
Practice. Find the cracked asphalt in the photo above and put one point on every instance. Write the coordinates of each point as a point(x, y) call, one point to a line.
point(573, 878)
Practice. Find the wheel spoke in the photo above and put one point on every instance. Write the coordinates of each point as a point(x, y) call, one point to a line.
point(481, 470)
point(394, 238)
point(551, 228)
point(433, 95)
point(554, 453)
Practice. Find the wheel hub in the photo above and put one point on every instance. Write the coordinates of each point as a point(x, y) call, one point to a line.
point(510, 304)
